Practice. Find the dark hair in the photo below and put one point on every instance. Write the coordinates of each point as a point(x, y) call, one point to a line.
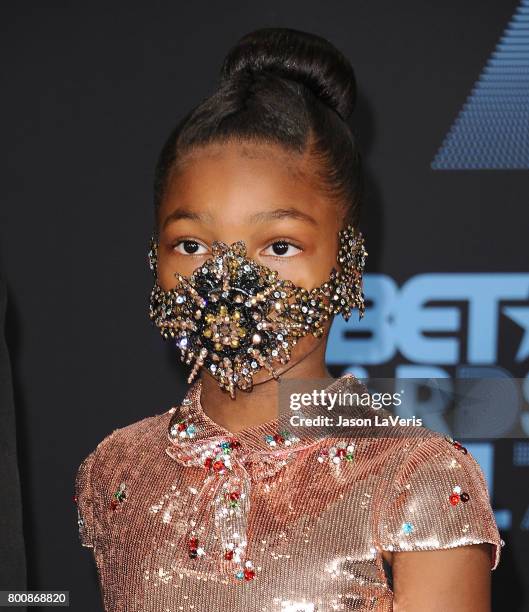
point(283, 86)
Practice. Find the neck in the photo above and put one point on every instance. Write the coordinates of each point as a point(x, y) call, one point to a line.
point(260, 405)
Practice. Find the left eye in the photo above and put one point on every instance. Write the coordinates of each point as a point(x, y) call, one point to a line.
point(281, 248)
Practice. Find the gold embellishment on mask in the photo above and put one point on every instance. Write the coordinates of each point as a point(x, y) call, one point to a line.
point(234, 316)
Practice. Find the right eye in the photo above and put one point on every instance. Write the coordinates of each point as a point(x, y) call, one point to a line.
point(190, 247)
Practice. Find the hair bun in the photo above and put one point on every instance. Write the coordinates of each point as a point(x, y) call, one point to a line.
point(299, 56)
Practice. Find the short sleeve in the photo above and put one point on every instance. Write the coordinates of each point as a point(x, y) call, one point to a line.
point(439, 499)
point(84, 499)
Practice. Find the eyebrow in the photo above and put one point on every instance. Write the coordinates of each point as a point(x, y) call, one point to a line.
point(183, 213)
point(260, 217)
point(282, 213)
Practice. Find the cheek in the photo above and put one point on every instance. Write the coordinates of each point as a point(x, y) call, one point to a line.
point(317, 266)
point(166, 280)
point(307, 272)
point(169, 264)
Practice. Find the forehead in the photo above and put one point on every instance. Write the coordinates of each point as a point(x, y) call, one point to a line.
point(235, 154)
point(244, 177)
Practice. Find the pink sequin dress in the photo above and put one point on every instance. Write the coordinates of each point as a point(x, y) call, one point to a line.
point(182, 514)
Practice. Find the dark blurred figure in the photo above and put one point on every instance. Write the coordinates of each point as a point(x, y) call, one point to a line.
point(12, 554)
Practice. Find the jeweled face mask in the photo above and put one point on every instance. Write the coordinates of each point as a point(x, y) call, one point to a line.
point(234, 316)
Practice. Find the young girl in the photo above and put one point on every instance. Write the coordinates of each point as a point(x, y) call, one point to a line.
point(219, 503)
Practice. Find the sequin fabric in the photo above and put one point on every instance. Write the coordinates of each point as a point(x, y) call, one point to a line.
point(182, 514)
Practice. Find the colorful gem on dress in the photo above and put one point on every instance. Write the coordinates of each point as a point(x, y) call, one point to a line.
point(233, 496)
point(219, 459)
point(407, 528)
point(343, 451)
point(233, 499)
point(119, 496)
point(247, 573)
point(457, 495)
point(194, 549)
point(234, 553)
point(183, 429)
point(284, 438)
point(456, 444)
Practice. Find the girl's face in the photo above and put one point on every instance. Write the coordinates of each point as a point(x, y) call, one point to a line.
point(253, 192)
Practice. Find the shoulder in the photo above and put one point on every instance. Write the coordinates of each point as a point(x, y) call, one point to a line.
point(438, 498)
point(395, 451)
point(426, 491)
point(382, 449)
point(123, 443)
point(108, 464)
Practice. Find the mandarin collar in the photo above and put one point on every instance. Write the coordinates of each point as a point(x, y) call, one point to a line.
point(194, 436)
